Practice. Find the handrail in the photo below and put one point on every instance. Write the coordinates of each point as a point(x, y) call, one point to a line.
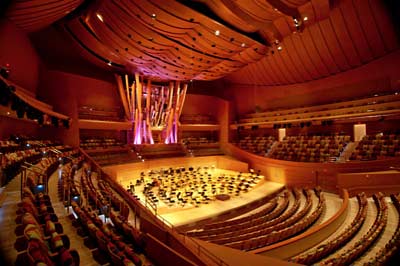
point(311, 231)
point(166, 225)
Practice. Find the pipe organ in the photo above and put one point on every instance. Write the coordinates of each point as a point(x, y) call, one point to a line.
point(151, 107)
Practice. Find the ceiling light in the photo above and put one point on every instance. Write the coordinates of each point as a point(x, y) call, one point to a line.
point(217, 32)
point(109, 63)
point(100, 17)
point(279, 48)
point(243, 44)
point(8, 113)
point(153, 16)
point(305, 18)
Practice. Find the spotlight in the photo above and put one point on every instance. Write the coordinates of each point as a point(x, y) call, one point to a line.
point(100, 17)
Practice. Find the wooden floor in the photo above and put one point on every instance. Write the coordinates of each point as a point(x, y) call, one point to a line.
point(177, 215)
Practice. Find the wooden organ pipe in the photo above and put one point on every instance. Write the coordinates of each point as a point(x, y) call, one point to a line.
point(128, 95)
point(123, 97)
point(160, 108)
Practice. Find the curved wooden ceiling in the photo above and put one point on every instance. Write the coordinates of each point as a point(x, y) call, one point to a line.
point(257, 42)
point(33, 15)
point(350, 34)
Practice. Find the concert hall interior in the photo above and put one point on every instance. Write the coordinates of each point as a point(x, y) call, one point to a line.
point(199, 132)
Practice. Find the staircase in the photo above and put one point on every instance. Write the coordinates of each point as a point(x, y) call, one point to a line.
point(348, 150)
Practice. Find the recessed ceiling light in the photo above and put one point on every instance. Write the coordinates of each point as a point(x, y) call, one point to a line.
point(100, 17)
point(305, 18)
point(217, 32)
point(8, 113)
point(243, 44)
point(279, 48)
point(153, 16)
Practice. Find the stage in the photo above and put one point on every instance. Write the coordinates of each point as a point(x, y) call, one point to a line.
point(217, 166)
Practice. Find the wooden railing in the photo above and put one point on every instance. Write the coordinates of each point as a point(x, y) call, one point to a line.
point(141, 211)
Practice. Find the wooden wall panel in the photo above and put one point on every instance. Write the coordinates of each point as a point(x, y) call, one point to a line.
point(16, 49)
point(378, 76)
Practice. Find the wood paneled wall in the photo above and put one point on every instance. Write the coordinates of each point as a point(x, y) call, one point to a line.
point(309, 174)
point(17, 50)
point(377, 76)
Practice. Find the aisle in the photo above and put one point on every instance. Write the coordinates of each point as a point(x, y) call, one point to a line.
point(85, 254)
point(8, 254)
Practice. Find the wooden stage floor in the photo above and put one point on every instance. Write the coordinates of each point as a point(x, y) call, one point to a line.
point(177, 215)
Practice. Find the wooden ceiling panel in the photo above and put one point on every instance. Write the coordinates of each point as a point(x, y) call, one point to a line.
point(258, 42)
point(282, 68)
point(370, 29)
point(296, 59)
point(322, 48)
point(345, 41)
point(304, 56)
point(33, 15)
point(284, 60)
point(333, 44)
point(385, 26)
point(356, 31)
point(314, 53)
point(321, 9)
point(277, 71)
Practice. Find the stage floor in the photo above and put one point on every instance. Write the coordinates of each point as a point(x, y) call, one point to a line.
point(182, 216)
point(177, 215)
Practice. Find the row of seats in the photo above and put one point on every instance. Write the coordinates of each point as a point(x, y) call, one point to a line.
point(259, 145)
point(367, 240)
point(92, 113)
point(197, 140)
point(40, 239)
point(297, 148)
point(106, 239)
point(100, 143)
point(386, 253)
point(21, 149)
point(362, 106)
point(197, 119)
point(16, 143)
point(273, 223)
point(310, 149)
point(124, 155)
point(323, 250)
point(148, 151)
point(378, 146)
point(294, 225)
point(279, 205)
point(118, 247)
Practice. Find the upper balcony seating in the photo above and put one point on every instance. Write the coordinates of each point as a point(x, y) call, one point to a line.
point(120, 156)
point(377, 147)
point(310, 148)
point(156, 151)
point(91, 113)
point(100, 143)
point(259, 145)
point(197, 119)
point(14, 152)
point(202, 146)
point(360, 107)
